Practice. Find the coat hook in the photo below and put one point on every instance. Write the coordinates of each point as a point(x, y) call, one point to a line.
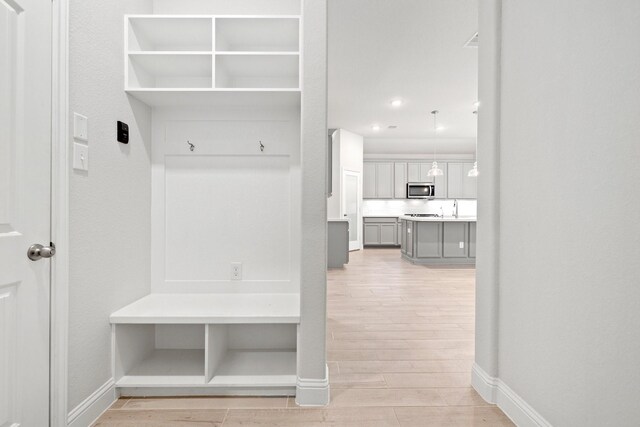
point(261, 146)
point(191, 146)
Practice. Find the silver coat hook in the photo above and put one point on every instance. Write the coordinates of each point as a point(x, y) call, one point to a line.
point(191, 146)
point(261, 146)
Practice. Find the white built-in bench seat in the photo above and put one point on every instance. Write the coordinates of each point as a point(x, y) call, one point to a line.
point(211, 309)
point(172, 344)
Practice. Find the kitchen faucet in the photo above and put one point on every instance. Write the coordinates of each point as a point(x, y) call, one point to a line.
point(455, 208)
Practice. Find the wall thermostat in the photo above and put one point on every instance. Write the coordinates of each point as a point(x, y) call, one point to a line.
point(123, 132)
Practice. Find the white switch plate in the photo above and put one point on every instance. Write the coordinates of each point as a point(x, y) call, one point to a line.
point(80, 157)
point(236, 271)
point(461, 245)
point(80, 127)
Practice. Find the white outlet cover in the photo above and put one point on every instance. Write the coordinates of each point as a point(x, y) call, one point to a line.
point(461, 245)
point(80, 127)
point(80, 157)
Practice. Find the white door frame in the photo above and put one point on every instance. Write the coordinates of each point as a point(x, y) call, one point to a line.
point(59, 214)
point(343, 203)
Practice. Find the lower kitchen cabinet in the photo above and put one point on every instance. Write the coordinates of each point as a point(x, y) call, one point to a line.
point(428, 239)
point(380, 231)
point(455, 238)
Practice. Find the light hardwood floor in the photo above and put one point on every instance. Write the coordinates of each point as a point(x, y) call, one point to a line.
point(400, 349)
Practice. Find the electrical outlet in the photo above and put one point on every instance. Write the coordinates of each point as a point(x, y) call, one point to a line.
point(461, 245)
point(236, 271)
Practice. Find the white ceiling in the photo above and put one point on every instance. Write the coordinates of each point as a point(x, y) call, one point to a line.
point(381, 50)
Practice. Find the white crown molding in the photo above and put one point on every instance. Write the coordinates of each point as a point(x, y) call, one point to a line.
point(93, 406)
point(494, 390)
point(312, 391)
point(420, 157)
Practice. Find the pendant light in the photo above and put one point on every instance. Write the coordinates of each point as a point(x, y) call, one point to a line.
point(473, 173)
point(435, 170)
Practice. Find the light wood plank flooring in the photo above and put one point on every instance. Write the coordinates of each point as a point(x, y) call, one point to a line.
point(400, 349)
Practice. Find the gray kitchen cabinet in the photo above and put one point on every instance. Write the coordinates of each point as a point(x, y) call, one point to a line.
point(400, 180)
point(388, 234)
point(377, 182)
point(459, 185)
point(472, 239)
point(428, 239)
point(369, 181)
point(455, 238)
point(384, 180)
point(419, 172)
point(399, 232)
point(371, 234)
point(338, 243)
point(380, 231)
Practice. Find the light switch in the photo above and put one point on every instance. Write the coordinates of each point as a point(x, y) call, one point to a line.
point(461, 245)
point(80, 127)
point(80, 157)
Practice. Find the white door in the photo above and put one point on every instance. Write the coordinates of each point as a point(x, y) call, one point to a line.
point(351, 198)
point(25, 212)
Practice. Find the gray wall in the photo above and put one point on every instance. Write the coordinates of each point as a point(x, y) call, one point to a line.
point(109, 205)
point(569, 289)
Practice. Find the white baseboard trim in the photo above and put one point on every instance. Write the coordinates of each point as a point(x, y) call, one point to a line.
point(313, 392)
point(93, 406)
point(494, 390)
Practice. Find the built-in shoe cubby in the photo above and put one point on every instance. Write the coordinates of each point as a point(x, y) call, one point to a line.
point(228, 342)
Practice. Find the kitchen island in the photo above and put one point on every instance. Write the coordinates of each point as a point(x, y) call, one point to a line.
point(438, 240)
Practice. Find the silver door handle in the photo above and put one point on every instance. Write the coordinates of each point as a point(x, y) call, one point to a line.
point(37, 251)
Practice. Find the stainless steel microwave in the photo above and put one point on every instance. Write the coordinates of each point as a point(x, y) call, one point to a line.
point(421, 190)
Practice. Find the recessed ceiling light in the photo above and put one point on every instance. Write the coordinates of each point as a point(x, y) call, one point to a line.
point(396, 103)
point(375, 128)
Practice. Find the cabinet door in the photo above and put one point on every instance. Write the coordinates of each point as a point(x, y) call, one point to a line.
point(424, 172)
point(369, 181)
point(384, 180)
point(469, 184)
point(372, 234)
point(428, 240)
point(454, 180)
point(472, 240)
point(388, 234)
point(398, 233)
point(413, 172)
point(461, 186)
point(455, 240)
point(409, 237)
point(400, 180)
point(441, 181)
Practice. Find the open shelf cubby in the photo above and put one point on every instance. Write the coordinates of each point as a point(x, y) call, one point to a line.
point(257, 34)
point(169, 33)
point(225, 356)
point(257, 71)
point(170, 70)
point(204, 59)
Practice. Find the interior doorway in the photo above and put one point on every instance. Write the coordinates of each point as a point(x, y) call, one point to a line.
point(351, 207)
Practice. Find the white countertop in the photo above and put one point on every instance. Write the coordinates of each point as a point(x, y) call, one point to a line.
point(434, 219)
point(338, 220)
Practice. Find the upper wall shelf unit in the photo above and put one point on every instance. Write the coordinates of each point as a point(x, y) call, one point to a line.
point(204, 59)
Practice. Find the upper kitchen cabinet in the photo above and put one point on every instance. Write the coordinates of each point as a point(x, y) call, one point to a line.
point(419, 172)
point(460, 186)
point(400, 180)
point(378, 182)
point(178, 60)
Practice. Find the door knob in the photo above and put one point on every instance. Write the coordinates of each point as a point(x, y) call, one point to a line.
point(37, 251)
